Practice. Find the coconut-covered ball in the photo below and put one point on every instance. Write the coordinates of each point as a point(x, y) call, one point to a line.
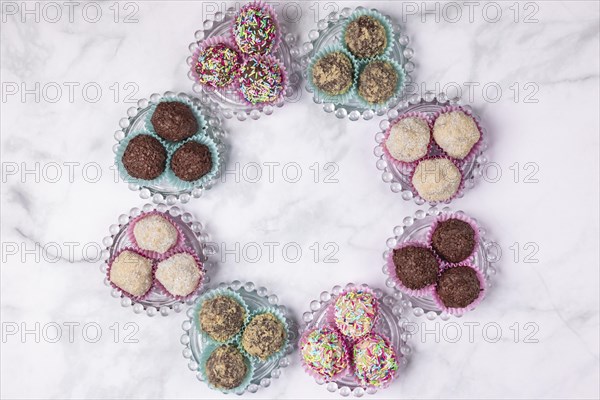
point(377, 82)
point(144, 157)
point(324, 352)
point(226, 367)
point(217, 65)
point(222, 317)
point(132, 273)
point(355, 312)
point(456, 133)
point(409, 139)
point(333, 73)
point(436, 179)
point(263, 336)
point(261, 80)
point(255, 30)
point(154, 232)
point(174, 121)
point(458, 287)
point(375, 362)
point(180, 274)
point(365, 37)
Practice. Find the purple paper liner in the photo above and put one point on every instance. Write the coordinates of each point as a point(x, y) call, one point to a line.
point(459, 216)
point(391, 269)
point(310, 371)
point(331, 311)
point(461, 311)
point(388, 343)
point(284, 81)
point(459, 190)
point(149, 253)
point(476, 147)
point(163, 290)
point(125, 293)
point(269, 10)
point(404, 166)
point(227, 41)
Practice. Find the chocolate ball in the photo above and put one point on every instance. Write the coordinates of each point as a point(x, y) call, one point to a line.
point(458, 287)
point(222, 318)
point(174, 121)
point(377, 82)
point(144, 157)
point(263, 336)
point(333, 73)
point(226, 367)
point(366, 37)
point(453, 240)
point(191, 161)
point(416, 267)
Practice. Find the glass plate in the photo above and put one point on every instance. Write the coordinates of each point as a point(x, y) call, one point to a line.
point(195, 238)
point(229, 101)
point(135, 121)
point(254, 297)
point(415, 229)
point(327, 33)
point(391, 324)
point(399, 182)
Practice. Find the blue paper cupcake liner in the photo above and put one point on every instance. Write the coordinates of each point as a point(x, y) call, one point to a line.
point(397, 91)
point(123, 171)
point(217, 162)
point(204, 376)
point(387, 25)
point(211, 295)
point(277, 314)
point(327, 98)
point(202, 125)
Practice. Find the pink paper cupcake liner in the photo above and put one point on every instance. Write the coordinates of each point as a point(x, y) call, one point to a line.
point(461, 311)
point(284, 82)
point(124, 292)
point(269, 10)
point(310, 371)
point(459, 190)
point(391, 269)
point(397, 357)
point(163, 290)
point(403, 166)
point(227, 41)
point(446, 217)
point(331, 310)
point(476, 147)
point(148, 253)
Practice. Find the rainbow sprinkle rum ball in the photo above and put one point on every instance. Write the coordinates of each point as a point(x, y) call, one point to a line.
point(377, 82)
point(174, 121)
point(144, 157)
point(263, 336)
point(333, 73)
point(436, 179)
point(324, 352)
point(458, 287)
point(191, 161)
point(365, 37)
point(217, 65)
point(416, 267)
point(132, 273)
point(222, 318)
point(226, 367)
point(255, 29)
point(355, 312)
point(456, 133)
point(375, 362)
point(262, 80)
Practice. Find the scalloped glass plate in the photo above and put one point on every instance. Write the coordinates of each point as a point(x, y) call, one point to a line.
point(391, 324)
point(229, 102)
point(135, 121)
point(327, 33)
point(399, 182)
point(415, 229)
point(195, 238)
point(255, 297)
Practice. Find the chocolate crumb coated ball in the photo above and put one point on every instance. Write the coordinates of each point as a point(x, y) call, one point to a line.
point(144, 157)
point(409, 139)
point(263, 336)
point(226, 367)
point(456, 133)
point(458, 287)
point(132, 273)
point(416, 267)
point(191, 161)
point(453, 240)
point(179, 274)
point(333, 73)
point(155, 233)
point(222, 318)
point(366, 37)
point(174, 121)
point(377, 82)
point(436, 179)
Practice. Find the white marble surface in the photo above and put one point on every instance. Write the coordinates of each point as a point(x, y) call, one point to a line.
point(557, 56)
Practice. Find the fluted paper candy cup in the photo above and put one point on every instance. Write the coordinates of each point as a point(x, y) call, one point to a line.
point(324, 353)
point(239, 389)
point(211, 295)
point(461, 310)
point(281, 318)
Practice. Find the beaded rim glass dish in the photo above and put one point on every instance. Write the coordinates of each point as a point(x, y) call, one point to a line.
point(195, 238)
point(415, 228)
point(255, 297)
point(400, 182)
point(390, 323)
point(135, 122)
point(327, 33)
point(228, 101)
